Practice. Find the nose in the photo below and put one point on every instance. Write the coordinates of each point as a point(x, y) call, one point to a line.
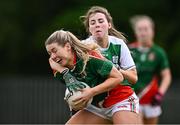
point(97, 24)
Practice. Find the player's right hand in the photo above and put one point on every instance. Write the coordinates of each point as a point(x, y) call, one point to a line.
point(56, 66)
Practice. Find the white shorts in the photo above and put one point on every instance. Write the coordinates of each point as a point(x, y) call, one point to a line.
point(150, 111)
point(131, 104)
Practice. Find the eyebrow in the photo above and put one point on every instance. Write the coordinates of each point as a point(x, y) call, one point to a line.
point(92, 20)
point(97, 19)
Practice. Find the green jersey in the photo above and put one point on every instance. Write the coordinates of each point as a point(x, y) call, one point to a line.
point(149, 63)
point(118, 53)
point(96, 72)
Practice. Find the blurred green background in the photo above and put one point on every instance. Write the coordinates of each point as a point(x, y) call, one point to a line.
point(25, 25)
point(25, 75)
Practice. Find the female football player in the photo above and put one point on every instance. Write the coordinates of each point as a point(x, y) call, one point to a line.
point(152, 63)
point(113, 101)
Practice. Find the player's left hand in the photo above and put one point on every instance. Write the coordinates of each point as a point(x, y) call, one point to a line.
point(157, 99)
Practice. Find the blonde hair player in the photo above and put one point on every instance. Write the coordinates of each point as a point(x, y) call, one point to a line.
point(99, 24)
point(66, 51)
point(151, 62)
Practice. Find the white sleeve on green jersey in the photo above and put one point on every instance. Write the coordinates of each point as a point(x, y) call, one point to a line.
point(126, 60)
point(88, 40)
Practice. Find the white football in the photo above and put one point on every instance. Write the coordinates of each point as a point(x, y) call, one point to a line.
point(70, 96)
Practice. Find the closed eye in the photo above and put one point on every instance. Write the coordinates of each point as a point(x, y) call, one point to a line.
point(53, 50)
point(92, 22)
point(100, 20)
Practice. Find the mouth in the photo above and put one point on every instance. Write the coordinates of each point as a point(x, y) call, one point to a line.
point(59, 61)
point(98, 31)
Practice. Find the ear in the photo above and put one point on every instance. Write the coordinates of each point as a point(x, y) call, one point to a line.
point(110, 26)
point(68, 46)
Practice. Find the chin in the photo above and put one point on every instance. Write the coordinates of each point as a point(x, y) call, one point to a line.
point(98, 38)
point(65, 63)
point(62, 64)
point(143, 40)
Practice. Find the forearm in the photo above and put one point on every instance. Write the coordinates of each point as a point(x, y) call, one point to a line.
point(130, 75)
point(166, 81)
point(106, 86)
point(114, 78)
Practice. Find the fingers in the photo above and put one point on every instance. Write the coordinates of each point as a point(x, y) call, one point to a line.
point(76, 108)
point(80, 105)
point(78, 101)
point(51, 63)
point(82, 101)
point(50, 60)
point(55, 66)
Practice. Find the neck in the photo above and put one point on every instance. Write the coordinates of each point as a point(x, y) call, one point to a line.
point(103, 43)
point(146, 44)
point(72, 61)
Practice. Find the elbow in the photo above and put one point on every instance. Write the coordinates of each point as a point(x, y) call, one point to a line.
point(135, 77)
point(116, 82)
point(121, 78)
point(170, 78)
point(134, 80)
point(118, 79)
point(166, 76)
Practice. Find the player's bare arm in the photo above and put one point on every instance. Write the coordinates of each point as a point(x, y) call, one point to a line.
point(113, 80)
point(166, 80)
point(130, 75)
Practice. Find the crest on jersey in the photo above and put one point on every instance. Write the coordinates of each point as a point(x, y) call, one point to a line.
point(115, 61)
point(143, 57)
point(151, 56)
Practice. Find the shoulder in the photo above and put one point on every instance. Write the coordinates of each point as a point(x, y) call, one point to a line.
point(133, 45)
point(158, 49)
point(98, 62)
point(116, 41)
point(88, 40)
point(95, 54)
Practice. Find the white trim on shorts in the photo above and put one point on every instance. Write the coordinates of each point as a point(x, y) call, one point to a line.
point(150, 111)
point(130, 104)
